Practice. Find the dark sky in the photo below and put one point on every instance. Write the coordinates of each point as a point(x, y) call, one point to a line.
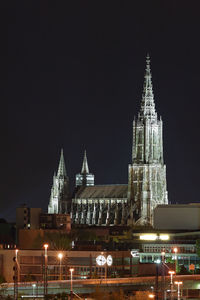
point(71, 76)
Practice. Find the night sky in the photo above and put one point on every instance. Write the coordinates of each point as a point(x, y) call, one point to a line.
point(71, 76)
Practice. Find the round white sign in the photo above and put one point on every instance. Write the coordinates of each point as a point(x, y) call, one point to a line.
point(109, 260)
point(101, 260)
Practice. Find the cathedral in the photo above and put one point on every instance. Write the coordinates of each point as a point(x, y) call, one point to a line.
point(120, 204)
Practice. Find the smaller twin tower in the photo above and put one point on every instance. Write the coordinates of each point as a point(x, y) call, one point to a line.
point(120, 204)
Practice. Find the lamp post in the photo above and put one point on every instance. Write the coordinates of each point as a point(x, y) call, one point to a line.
point(157, 261)
point(60, 256)
point(33, 286)
point(171, 283)
point(71, 289)
point(163, 273)
point(178, 284)
point(45, 268)
point(16, 275)
point(175, 250)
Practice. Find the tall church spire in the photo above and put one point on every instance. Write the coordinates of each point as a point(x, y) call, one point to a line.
point(61, 168)
point(84, 178)
point(147, 174)
point(85, 169)
point(147, 105)
point(59, 199)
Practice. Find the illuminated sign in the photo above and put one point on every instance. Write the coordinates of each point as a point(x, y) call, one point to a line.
point(101, 260)
point(154, 237)
point(135, 253)
point(109, 260)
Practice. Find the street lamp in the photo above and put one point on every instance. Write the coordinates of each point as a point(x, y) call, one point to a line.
point(157, 261)
point(151, 296)
point(178, 284)
point(171, 282)
point(33, 286)
point(60, 256)
point(16, 276)
point(171, 276)
point(45, 268)
point(71, 290)
point(175, 250)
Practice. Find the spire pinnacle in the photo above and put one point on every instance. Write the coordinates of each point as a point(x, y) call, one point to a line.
point(61, 167)
point(147, 104)
point(85, 169)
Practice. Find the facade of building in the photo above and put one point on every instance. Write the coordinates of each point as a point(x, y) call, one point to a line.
point(121, 204)
point(177, 217)
point(60, 195)
point(85, 178)
point(147, 174)
point(28, 217)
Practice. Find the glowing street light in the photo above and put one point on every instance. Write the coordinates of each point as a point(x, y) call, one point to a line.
point(71, 290)
point(60, 256)
point(175, 250)
point(178, 284)
point(33, 286)
point(171, 276)
point(151, 296)
point(45, 246)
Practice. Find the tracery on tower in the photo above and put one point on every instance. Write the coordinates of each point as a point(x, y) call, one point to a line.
point(60, 190)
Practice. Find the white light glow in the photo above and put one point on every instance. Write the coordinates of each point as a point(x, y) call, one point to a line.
point(148, 237)
point(109, 260)
point(164, 237)
point(101, 260)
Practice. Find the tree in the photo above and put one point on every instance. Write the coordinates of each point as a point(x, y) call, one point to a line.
point(198, 247)
point(56, 241)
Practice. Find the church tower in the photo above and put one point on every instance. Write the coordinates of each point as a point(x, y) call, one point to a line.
point(147, 173)
point(60, 190)
point(85, 178)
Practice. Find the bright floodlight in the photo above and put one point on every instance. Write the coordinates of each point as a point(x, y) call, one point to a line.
point(164, 237)
point(60, 255)
point(157, 261)
point(175, 250)
point(148, 237)
point(71, 270)
point(178, 282)
point(151, 296)
point(171, 272)
point(45, 246)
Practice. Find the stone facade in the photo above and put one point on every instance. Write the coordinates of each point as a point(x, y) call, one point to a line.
point(121, 204)
point(100, 205)
point(60, 190)
point(85, 177)
point(147, 174)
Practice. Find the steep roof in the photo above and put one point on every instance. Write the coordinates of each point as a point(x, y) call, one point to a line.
point(102, 191)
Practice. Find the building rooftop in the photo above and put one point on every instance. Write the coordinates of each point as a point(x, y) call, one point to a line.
point(103, 191)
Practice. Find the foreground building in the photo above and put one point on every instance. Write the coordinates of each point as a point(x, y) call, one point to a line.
point(130, 204)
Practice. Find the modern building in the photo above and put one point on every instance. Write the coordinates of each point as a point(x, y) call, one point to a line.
point(31, 264)
point(177, 217)
point(55, 221)
point(27, 217)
